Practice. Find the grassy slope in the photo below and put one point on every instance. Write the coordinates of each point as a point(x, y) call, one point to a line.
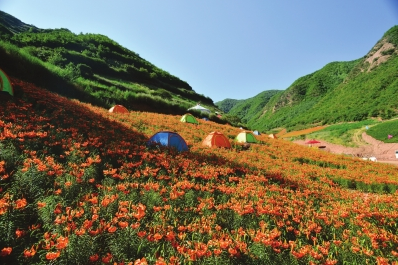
point(382, 130)
point(79, 183)
point(296, 106)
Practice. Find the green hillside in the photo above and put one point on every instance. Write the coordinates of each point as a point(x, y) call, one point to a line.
point(227, 104)
point(93, 67)
point(247, 109)
point(340, 91)
point(291, 107)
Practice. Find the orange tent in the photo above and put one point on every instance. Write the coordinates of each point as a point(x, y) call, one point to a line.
point(216, 139)
point(118, 109)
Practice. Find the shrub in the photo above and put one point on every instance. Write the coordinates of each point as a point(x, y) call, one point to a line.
point(388, 52)
point(85, 70)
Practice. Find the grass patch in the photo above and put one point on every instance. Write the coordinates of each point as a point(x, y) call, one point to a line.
point(344, 133)
point(382, 130)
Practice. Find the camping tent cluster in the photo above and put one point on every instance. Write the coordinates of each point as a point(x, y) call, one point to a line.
point(174, 140)
point(164, 138)
point(213, 139)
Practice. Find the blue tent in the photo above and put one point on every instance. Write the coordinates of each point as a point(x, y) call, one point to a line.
point(169, 139)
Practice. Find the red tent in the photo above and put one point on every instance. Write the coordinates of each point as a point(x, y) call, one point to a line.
point(312, 142)
point(118, 109)
point(216, 139)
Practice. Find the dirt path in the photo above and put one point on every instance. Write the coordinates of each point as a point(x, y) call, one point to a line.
point(368, 147)
point(358, 139)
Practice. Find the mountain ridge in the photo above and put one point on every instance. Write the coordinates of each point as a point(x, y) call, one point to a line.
point(338, 92)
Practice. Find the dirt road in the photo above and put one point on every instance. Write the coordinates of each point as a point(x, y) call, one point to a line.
point(368, 147)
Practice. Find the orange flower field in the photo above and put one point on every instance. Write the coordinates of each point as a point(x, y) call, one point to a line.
point(79, 185)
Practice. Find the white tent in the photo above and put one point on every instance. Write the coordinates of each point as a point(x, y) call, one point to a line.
point(200, 108)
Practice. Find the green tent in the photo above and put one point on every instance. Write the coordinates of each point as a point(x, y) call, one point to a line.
point(246, 137)
point(189, 118)
point(5, 84)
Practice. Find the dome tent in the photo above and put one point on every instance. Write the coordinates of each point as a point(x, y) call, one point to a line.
point(169, 139)
point(5, 84)
point(118, 109)
point(216, 139)
point(200, 108)
point(256, 132)
point(189, 118)
point(245, 137)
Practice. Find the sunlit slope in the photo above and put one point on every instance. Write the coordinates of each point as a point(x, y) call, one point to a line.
point(297, 105)
point(79, 185)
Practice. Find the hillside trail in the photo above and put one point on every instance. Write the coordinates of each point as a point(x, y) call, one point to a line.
point(367, 146)
point(358, 139)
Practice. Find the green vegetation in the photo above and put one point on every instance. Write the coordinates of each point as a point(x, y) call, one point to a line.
point(227, 104)
point(248, 109)
point(382, 130)
point(392, 35)
point(297, 107)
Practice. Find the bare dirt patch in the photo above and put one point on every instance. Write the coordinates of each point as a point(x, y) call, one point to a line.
point(367, 147)
point(376, 56)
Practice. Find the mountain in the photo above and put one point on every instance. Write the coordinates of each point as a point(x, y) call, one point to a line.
point(340, 91)
point(227, 104)
point(91, 66)
point(10, 25)
point(248, 108)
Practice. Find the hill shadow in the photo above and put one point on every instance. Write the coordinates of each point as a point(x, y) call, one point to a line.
point(113, 136)
point(22, 68)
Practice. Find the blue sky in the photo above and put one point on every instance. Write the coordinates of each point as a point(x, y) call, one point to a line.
point(225, 48)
